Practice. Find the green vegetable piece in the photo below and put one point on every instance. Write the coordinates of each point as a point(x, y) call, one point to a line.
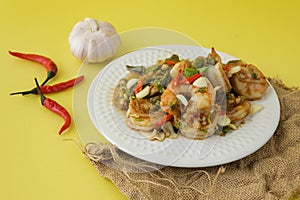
point(203, 69)
point(159, 87)
point(211, 61)
point(226, 129)
point(199, 62)
point(190, 72)
point(166, 79)
point(138, 119)
point(136, 69)
point(174, 57)
point(172, 106)
point(203, 89)
point(152, 68)
point(176, 124)
point(254, 75)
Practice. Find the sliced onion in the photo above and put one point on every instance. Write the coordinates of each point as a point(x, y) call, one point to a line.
point(182, 99)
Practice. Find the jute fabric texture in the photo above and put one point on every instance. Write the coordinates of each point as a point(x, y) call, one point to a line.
point(272, 172)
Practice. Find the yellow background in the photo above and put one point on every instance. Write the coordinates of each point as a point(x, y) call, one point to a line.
point(35, 161)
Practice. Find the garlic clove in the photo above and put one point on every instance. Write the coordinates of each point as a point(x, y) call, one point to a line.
point(232, 126)
point(200, 82)
point(144, 92)
point(182, 99)
point(92, 24)
point(256, 108)
point(94, 41)
point(233, 70)
point(223, 120)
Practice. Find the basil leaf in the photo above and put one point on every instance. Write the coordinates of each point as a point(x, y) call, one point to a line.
point(187, 72)
point(173, 57)
point(137, 69)
point(198, 62)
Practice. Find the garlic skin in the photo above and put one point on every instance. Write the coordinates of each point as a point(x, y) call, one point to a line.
point(94, 41)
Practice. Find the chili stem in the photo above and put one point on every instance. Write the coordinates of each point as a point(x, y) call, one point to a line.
point(24, 92)
point(39, 91)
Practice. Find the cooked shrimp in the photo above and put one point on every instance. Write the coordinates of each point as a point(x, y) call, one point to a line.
point(178, 67)
point(138, 115)
point(142, 115)
point(197, 119)
point(239, 112)
point(169, 102)
point(204, 99)
point(213, 54)
point(140, 106)
point(199, 126)
point(216, 74)
point(249, 82)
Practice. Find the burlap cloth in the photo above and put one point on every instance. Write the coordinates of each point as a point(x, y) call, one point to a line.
point(272, 172)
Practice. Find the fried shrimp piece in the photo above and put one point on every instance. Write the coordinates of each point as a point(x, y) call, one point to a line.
point(214, 55)
point(169, 102)
point(142, 115)
point(218, 77)
point(179, 67)
point(249, 82)
point(199, 118)
point(138, 115)
point(205, 99)
point(239, 112)
point(216, 74)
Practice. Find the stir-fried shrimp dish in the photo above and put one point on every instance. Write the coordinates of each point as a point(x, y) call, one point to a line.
point(191, 98)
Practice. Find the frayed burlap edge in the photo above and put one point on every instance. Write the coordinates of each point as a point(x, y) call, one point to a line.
point(270, 182)
point(118, 162)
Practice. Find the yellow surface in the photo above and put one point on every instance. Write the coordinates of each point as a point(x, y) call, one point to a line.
point(35, 161)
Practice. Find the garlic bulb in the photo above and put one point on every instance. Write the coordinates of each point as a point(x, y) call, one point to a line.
point(94, 41)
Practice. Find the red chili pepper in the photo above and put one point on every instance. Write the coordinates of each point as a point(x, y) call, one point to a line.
point(46, 89)
point(46, 62)
point(226, 67)
point(139, 86)
point(54, 107)
point(194, 77)
point(165, 119)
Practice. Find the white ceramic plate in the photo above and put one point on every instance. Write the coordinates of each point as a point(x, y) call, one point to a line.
point(180, 152)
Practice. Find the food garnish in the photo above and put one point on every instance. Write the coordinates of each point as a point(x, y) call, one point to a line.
point(194, 99)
